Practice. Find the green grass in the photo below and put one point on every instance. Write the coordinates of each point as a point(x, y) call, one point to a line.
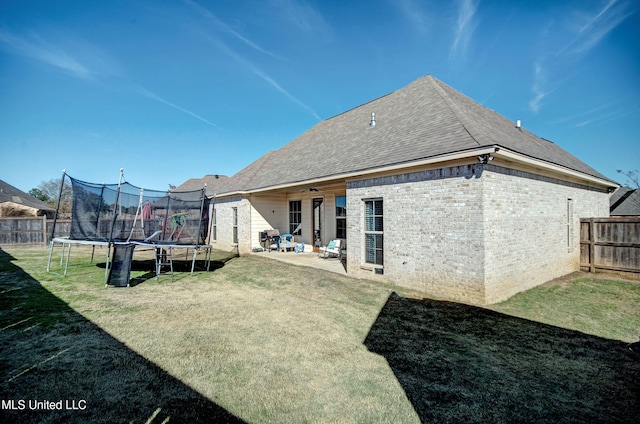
point(606, 306)
point(262, 341)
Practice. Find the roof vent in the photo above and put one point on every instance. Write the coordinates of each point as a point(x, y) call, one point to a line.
point(372, 123)
point(518, 124)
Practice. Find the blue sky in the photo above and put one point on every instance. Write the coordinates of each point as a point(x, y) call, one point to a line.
point(170, 90)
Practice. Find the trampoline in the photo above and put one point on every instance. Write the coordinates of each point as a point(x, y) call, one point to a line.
point(115, 215)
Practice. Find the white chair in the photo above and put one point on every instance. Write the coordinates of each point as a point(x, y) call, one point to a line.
point(332, 250)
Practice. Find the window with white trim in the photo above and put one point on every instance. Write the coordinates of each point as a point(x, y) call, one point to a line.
point(570, 224)
point(235, 225)
point(214, 226)
point(295, 217)
point(341, 217)
point(373, 232)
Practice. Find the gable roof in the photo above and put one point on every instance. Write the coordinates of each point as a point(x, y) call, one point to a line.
point(9, 193)
point(215, 184)
point(425, 119)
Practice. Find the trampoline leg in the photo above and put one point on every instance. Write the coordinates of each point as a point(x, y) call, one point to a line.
point(50, 253)
point(158, 262)
point(66, 265)
point(171, 261)
point(62, 254)
point(162, 259)
point(193, 262)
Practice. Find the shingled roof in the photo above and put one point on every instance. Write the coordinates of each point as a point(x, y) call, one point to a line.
point(425, 119)
point(625, 202)
point(215, 184)
point(9, 193)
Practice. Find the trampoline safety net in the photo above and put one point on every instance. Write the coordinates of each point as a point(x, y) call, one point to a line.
point(124, 212)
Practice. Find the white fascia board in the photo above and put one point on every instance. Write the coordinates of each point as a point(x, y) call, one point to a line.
point(518, 157)
point(394, 167)
point(494, 150)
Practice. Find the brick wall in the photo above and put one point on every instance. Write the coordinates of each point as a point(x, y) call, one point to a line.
point(224, 220)
point(473, 233)
point(532, 228)
point(433, 232)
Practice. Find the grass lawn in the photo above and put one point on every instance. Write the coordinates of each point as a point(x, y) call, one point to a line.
point(262, 341)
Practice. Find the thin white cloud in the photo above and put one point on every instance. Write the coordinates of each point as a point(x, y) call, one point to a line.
point(605, 117)
point(101, 70)
point(585, 30)
point(34, 47)
point(538, 93)
point(257, 71)
point(582, 115)
point(413, 12)
point(219, 24)
point(464, 28)
point(302, 15)
point(153, 96)
point(593, 26)
point(291, 97)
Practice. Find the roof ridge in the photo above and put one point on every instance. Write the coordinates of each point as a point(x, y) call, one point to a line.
point(360, 105)
point(250, 173)
point(453, 107)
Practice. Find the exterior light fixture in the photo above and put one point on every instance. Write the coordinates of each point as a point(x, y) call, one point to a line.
point(485, 158)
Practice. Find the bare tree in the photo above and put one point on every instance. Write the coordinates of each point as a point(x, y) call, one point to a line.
point(51, 190)
point(633, 178)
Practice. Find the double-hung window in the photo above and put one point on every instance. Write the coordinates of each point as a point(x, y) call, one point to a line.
point(341, 217)
point(373, 232)
point(235, 225)
point(295, 217)
point(214, 225)
point(570, 225)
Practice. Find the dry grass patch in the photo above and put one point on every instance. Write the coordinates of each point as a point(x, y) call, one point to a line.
point(264, 341)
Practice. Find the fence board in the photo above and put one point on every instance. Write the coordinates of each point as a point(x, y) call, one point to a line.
point(610, 244)
point(30, 230)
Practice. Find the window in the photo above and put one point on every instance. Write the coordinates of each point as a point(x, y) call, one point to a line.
point(214, 226)
point(373, 232)
point(569, 224)
point(295, 217)
point(235, 225)
point(341, 217)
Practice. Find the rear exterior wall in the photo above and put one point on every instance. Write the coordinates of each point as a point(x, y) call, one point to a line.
point(472, 233)
point(433, 231)
point(532, 228)
point(225, 209)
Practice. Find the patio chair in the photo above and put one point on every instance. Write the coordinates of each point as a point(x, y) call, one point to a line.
point(332, 250)
point(284, 243)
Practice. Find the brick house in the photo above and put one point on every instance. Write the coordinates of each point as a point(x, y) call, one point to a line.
point(15, 202)
point(431, 191)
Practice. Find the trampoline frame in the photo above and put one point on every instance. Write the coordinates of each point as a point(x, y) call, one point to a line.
point(66, 244)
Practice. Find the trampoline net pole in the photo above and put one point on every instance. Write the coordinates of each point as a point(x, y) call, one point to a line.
point(55, 217)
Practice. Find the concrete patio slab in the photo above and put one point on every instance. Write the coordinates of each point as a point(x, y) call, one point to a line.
point(310, 259)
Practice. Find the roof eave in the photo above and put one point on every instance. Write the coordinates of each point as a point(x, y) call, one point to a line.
point(363, 173)
point(495, 150)
point(555, 168)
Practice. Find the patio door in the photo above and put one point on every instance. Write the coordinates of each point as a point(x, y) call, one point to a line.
point(317, 222)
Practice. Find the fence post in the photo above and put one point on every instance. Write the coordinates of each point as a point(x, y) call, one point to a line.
point(44, 230)
point(592, 246)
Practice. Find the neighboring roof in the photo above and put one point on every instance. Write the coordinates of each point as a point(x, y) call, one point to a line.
point(625, 202)
point(9, 193)
point(423, 120)
point(215, 184)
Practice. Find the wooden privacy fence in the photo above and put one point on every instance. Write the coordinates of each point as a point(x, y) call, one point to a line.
point(610, 244)
point(31, 230)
